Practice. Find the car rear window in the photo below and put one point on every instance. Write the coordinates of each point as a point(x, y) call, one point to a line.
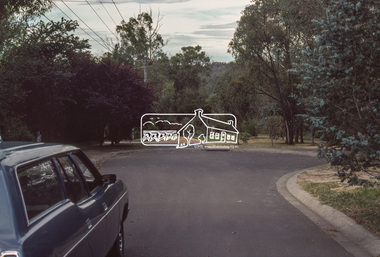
point(75, 188)
point(41, 188)
point(89, 177)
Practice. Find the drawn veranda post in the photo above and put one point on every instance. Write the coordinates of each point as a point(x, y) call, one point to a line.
point(182, 130)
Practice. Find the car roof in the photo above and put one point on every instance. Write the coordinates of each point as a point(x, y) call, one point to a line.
point(13, 153)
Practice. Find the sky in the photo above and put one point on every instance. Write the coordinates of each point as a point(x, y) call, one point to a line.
point(208, 23)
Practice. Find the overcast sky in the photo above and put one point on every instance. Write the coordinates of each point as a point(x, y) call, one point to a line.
point(208, 23)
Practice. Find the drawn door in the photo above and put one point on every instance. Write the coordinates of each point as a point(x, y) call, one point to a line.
point(223, 137)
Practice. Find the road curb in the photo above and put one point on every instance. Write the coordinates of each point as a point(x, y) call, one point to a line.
point(353, 237)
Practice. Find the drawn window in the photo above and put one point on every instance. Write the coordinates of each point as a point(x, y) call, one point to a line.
point(228, 137)
point(232, 137)
point(212, 135)
point(216, 135)
point(40, 188)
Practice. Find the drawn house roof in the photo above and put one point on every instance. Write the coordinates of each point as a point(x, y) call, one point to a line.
point(208, 122)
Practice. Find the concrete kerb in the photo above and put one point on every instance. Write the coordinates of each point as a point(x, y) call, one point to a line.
point(353, 237)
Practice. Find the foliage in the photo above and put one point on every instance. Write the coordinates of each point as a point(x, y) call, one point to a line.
point(274, 126)
point(109, 99)
point(14, 19)
point(341, 84)
point(250, 126)
point(141, 43)
point(65, 92)
point(33, 73)
point(361, 204)
point(245, 136)
point(140, 37)
point(267, 42)
point(183, 71)
point(165, 101)
point(16, 130)
point(236, 94)
point(187, 66)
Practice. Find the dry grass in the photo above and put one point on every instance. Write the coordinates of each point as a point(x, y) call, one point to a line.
point(360, 203)
point(263, 141)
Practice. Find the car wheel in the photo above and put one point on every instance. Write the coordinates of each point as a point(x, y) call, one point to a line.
point(118, 247)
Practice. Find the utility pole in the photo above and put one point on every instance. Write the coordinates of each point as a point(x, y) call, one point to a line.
point(145, 67)
point(145, 63)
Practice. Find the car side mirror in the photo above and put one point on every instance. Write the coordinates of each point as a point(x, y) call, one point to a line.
point(108, 179)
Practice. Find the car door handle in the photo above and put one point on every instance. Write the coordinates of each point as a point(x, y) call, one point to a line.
point(105, 207)
point(89, 224)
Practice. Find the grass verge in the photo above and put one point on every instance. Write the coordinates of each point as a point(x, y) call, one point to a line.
point(361, 204)
point(263, 141)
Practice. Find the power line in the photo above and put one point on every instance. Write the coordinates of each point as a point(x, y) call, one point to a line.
point(100, 18)
point(105, 44)
point(108, 13)
point(118, 10)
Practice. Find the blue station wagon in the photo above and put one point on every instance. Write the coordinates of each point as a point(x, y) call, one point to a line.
point(54, 202)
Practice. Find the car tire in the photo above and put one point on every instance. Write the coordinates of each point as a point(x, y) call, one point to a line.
point(118, 247)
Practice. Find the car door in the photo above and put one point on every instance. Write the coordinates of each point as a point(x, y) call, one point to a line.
point(54, 226)
point(87, 201)
point(106, 197)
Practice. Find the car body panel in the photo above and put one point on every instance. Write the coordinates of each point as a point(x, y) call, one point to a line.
point(8, 225)
point(86, 228)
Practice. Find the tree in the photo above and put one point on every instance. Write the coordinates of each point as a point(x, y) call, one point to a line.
point(341, 84)
point(140, 41)
point(109, 98)
point(15, 17)
point(267, 42)
point(33, 73)
point(235, 94)
point(186, 69)
point(274, 127)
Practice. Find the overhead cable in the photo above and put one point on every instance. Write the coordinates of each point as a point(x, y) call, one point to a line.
point(101, 19)
point(105, 44)
point(81, 29)
point(122, 19)
point(108, 13)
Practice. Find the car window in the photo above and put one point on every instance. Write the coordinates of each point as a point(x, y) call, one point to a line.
point(91, 180)
point(41, 188)
point(75, 188)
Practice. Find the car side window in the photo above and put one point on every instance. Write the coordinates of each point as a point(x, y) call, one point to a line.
point(91, 180)
point(41, 188)
point(75, 188)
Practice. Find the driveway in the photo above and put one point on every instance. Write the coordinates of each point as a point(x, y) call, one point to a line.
point(216, 203)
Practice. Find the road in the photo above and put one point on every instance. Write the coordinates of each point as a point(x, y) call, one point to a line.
point(215, 203)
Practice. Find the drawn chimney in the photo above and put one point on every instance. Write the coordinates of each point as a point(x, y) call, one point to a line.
point(198, 112)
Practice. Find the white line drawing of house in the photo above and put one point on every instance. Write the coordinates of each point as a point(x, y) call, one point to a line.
point(200, 129)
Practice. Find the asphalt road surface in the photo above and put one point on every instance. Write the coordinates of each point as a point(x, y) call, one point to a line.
point(214, 203)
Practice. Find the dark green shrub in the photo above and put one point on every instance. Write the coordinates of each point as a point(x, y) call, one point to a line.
point(250, 126)
point(245, 136)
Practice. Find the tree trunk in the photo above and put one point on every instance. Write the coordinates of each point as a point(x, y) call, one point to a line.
point(289, 132)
